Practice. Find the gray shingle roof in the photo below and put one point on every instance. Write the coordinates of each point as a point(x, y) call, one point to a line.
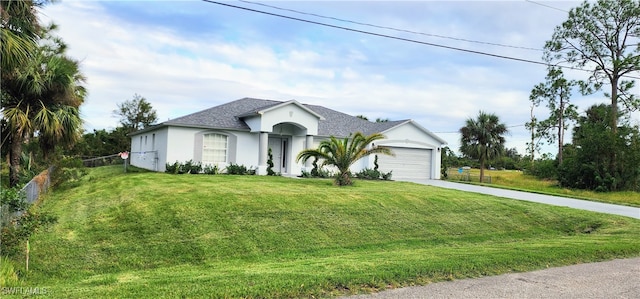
point(228, 116)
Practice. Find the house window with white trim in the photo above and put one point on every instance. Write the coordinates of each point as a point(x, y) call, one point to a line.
point(214, 148)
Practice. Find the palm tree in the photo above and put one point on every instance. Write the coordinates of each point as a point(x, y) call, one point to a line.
point(342, 153)
point(42, 98)
point(19, 31)
point(483, 139)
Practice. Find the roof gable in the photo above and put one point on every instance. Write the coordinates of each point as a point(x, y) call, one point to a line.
point(417, 126)
point(270, 108)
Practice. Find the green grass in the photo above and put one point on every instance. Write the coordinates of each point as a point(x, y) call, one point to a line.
point(517, 180)
point(154, 235)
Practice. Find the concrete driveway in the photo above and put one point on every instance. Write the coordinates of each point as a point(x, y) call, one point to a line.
point(540, 198)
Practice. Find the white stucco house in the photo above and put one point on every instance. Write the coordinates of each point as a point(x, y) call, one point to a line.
point(242, 131)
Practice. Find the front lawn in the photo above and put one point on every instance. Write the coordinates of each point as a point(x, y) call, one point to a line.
point(155, 235)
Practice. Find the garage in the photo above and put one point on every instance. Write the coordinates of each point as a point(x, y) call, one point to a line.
point(408, 163)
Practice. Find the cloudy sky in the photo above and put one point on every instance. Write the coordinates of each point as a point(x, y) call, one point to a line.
point(186, 56)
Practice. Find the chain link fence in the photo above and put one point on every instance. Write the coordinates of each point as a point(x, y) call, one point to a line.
point(465, 175)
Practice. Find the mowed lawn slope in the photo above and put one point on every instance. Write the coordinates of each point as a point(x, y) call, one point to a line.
point(154, 235)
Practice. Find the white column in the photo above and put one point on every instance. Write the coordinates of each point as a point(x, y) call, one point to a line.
point(263, 153)
point(308, 145)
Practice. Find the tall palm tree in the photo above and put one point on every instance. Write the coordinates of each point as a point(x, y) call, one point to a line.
point(483, 138)
point(42, 99)
point(342, 153)
point(19, 31)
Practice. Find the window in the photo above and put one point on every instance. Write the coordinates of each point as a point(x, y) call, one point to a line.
point(214, 148)
point(153, 142)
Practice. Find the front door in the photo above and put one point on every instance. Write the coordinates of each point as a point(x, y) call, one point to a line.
point(278, 148)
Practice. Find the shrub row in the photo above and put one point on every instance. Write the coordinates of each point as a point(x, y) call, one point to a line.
point(373, 174)
point(192, 167)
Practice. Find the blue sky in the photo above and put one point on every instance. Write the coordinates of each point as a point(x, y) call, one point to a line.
point(186, 56)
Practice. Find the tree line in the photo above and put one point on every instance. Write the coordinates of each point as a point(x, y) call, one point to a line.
point(602, 38)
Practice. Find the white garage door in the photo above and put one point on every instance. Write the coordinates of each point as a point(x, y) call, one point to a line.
point(409, 163)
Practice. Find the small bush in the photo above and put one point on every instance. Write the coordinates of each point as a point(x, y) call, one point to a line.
point(68, 171)
point(182, 168)
point(173, 168)
point(318, 173)
point(369, 174)
point(192, 167)
point(12, 201)
point(314, 170)
point(19, 221)
point(211, 169)
point(240, 169)
point(544, 169)
point(373, 174)
point(21, 229)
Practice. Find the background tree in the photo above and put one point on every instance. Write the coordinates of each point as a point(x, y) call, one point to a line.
point(556, 93)
point(533, 146)
point(604, 37)
point(511, 160)
point(136, 114)
point(586, 165)
point(101, 143)
point(483, 138)
point(342, 153)
point(447, 159)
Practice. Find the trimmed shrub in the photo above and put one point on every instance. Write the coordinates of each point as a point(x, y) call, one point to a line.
point(373, 174)
point(173, 168)
point(240, 169)
point(270, 163)
point(369, 174)
point(211, 169)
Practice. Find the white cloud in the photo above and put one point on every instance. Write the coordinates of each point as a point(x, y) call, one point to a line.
point(182, 67)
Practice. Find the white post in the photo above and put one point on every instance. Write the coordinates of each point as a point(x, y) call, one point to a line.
point(263, 153)
point(308, 145)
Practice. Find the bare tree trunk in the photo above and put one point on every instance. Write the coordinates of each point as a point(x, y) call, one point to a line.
point(614, 124)
point(533, 136)
point(15, 152)
point(482, 171)
point(614, 104)
point(560, 127)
